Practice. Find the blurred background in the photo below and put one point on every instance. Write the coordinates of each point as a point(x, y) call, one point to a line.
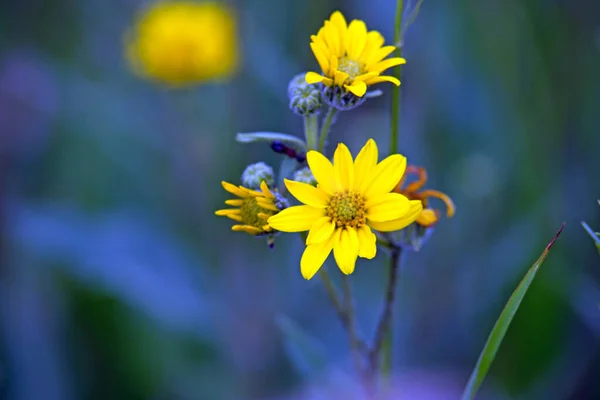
point(117, 281)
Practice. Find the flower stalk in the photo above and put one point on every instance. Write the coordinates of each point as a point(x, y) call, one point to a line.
point(395, 117)
point(311, 127)
point(327, 122)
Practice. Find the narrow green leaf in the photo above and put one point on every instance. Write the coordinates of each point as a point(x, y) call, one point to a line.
point(306, 353)
point(501, 327)
point(594, 235)
point(271, 137)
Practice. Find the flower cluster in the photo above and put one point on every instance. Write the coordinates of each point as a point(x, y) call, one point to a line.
point(348, 203)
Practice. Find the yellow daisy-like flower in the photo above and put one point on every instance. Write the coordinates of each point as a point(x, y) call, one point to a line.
point(350, 56)
point(413, 191)
point(253, 208)
point(352, 197)
point(183, 42)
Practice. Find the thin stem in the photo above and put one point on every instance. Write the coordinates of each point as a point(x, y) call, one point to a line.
point(348, 306)
point(327, 122)
point(384, 324)
point(395, 117)
point(311, 126)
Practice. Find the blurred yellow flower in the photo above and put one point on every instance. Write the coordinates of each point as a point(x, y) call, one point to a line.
point(253, 208)
point(350, 57)
point(352, 197)
point(183, 43)
point(428, 216)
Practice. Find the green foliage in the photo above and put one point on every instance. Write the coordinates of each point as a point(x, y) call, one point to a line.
point(488, 354)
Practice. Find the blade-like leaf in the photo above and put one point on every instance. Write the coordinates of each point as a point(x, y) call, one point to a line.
point(271, 137)
point(305, 352)
point(594, 235)
point(499, 331)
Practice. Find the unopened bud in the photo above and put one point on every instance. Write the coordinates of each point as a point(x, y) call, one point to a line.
point(304, 175)
point(254, 174)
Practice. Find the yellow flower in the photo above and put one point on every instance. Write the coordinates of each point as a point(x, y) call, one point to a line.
point(253, 208)
point(350, 57)
point(183, 43)
point(428, 216)
point(352, 197)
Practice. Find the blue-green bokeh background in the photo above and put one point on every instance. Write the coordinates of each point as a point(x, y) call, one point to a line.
point(118, 282)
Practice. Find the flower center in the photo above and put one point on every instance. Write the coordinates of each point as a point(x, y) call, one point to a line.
point(347, 209)
point(250, 210)
point(349, 66)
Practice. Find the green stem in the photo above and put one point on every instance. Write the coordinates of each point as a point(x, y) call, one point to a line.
point(395, 117)
point(327, 122)
point(383, 332)
point(311, 126)
point(348, 306)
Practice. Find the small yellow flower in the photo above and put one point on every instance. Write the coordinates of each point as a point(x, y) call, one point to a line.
point(183, 42)
point(352, 197)
point(428, 216)
point(253, 208)
point(350, 57)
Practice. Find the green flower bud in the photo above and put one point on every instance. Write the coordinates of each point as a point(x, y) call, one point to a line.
point(304, 175)
point(305, 99)
point(254, 174)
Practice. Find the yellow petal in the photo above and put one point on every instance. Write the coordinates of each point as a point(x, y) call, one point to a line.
point(266, 191)
point(379, 54)
point(397, 224)
point(386, 175)
point(340, 78)
point(229, 211)
point(333, 66)
point(385, 64)
point(332, 38)
point(321, 57)
point(365, 77)
point(385, 78)
point(296, 219)
point(367, 242)
point(246, 228)
point(357, 88)
point(374, 41)
point(427, 217)
point(343, 167)
point(345, 249)
point(363, 164)
point(387, 207)
point(322, 170)
point(307, 194)
point(357, 38)
point(313, 258)
point(235, 203)
point(320, 231)
point(338, 20)
point(234, 189)
point(313, 77)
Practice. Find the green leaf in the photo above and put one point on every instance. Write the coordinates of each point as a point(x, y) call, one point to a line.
point(271, 137)
point(305, 352)
point(501, 327)
point(594, 235)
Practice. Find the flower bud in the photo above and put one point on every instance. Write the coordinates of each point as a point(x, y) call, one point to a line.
point(254, 174)
point(304, 175)
point(340, 98)
point(305, 99)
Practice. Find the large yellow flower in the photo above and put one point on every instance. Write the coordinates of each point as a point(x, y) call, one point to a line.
point(183, 42)
point(350, 57)
point(352, 197)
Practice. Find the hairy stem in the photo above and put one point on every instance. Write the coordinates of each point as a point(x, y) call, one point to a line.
point(384, 323)
point(311, 126)
point(327, 122)
point(395, 113)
